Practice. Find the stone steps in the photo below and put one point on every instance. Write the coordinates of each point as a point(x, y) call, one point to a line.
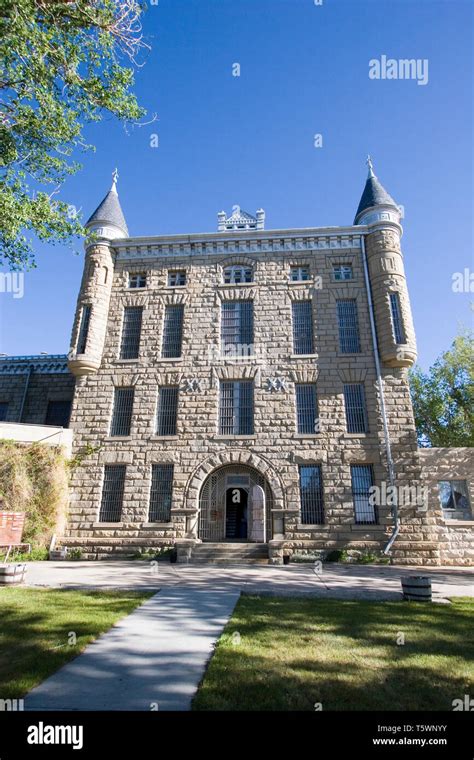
point(229, 553)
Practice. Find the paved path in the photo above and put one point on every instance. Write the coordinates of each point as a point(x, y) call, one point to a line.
point(335, 581)
point(157, 656)
point(152, 659)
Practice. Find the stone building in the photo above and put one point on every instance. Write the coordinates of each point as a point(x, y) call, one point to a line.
point(244, 393)
point(245, 390)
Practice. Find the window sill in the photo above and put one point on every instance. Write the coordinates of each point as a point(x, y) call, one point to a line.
point(126, 361)
point(447, 521)
point(355, 435)
point(301, 282)
point(236, 284)
point(235, 437)
point(118, 438)
point(299, 436)
point(157, 525)
point(304, 356)
point(108, 524)
point(169, 359)
point(343, 355)
point(313, 526)
point(164, 437)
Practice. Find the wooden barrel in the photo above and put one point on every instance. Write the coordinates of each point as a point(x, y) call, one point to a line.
point(12, 573)
point(416, 588)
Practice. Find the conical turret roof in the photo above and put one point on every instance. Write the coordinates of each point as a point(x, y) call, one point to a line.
point(109, 211)
point(374, 194)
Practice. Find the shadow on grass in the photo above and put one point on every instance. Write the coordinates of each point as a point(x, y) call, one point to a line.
point(346, 655)
point(36, 627)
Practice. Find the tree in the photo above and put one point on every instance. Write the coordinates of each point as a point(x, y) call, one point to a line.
point(443, 398)
point(62, 66)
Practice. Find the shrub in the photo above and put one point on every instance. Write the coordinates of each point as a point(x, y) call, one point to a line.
point(34, 479)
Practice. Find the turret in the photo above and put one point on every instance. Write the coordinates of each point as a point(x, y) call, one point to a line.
point(90, 325)
point(393, 317)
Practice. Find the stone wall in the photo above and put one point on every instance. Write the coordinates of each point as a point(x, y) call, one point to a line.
point(276, 446)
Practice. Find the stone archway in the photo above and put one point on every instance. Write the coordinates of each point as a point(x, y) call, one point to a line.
point(246, 460)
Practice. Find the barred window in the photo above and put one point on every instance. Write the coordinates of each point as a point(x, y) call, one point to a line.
point(161, 493)
point(237, 325)
point(137, 280)
point(342, 272)
point(236, 408)
point(172, 332)
point(3, 411)
point(58, 413)
point(303, 340)
point(167, 411)
point(237, 274)
point(122, 411)
point(299, 274)
point(356, 409)
point(84, 329)
point(349, 341)
point(362, 478)
point(311, 495)
point(131, 332)
point(397, 322)
point(306, 408)
point(176, 278)
point(112, 493)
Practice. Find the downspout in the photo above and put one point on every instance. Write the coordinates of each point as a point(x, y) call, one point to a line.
point(25, 391)
point(388, 448)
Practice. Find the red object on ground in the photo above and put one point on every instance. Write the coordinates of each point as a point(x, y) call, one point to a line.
point(11, 527)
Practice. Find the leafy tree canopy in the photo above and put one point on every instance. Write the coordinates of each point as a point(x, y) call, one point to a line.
point(443, 398)
point(64, 63)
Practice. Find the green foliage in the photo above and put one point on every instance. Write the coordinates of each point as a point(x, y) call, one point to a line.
point(37, 554)
point(337, 555)
point(443, 398)
point(62, 67)
point(74, 554)
point(33, 479)
point(161, 552)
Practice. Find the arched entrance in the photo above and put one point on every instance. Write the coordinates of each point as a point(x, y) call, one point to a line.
point(228, 504)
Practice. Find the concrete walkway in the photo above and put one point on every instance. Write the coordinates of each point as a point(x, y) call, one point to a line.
point(156, 657)
point(375, 582)
point(152, 659)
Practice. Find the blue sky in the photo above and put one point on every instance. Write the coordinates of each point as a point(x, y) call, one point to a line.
point(249, 140)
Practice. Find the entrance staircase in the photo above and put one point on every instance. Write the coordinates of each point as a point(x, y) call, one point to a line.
point(228, 553)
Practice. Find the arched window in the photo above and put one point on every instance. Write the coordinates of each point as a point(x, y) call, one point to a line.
point(237, 274)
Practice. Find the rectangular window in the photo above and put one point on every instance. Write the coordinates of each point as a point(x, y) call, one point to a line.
point(397, 322)
point(349, 341)
point(131, 331)
point(58, 413)
point(454, 497)
point(237, 326)
point(362, 478)
point(303, 340)
point(176, 278)
point(161, 493)
point(306, 408)
point(311, 495)
point(167, 415)
point(3, 411)
point(342, 272)
point(137, 280)
point(84, 329)
point(299, 274)
point(122, 411)
point(172, 332)
point(236, 408)
point(112, 493)
point(356, 411)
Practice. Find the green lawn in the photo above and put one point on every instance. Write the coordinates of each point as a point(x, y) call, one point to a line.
point(35, 625)
point(294, 653)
